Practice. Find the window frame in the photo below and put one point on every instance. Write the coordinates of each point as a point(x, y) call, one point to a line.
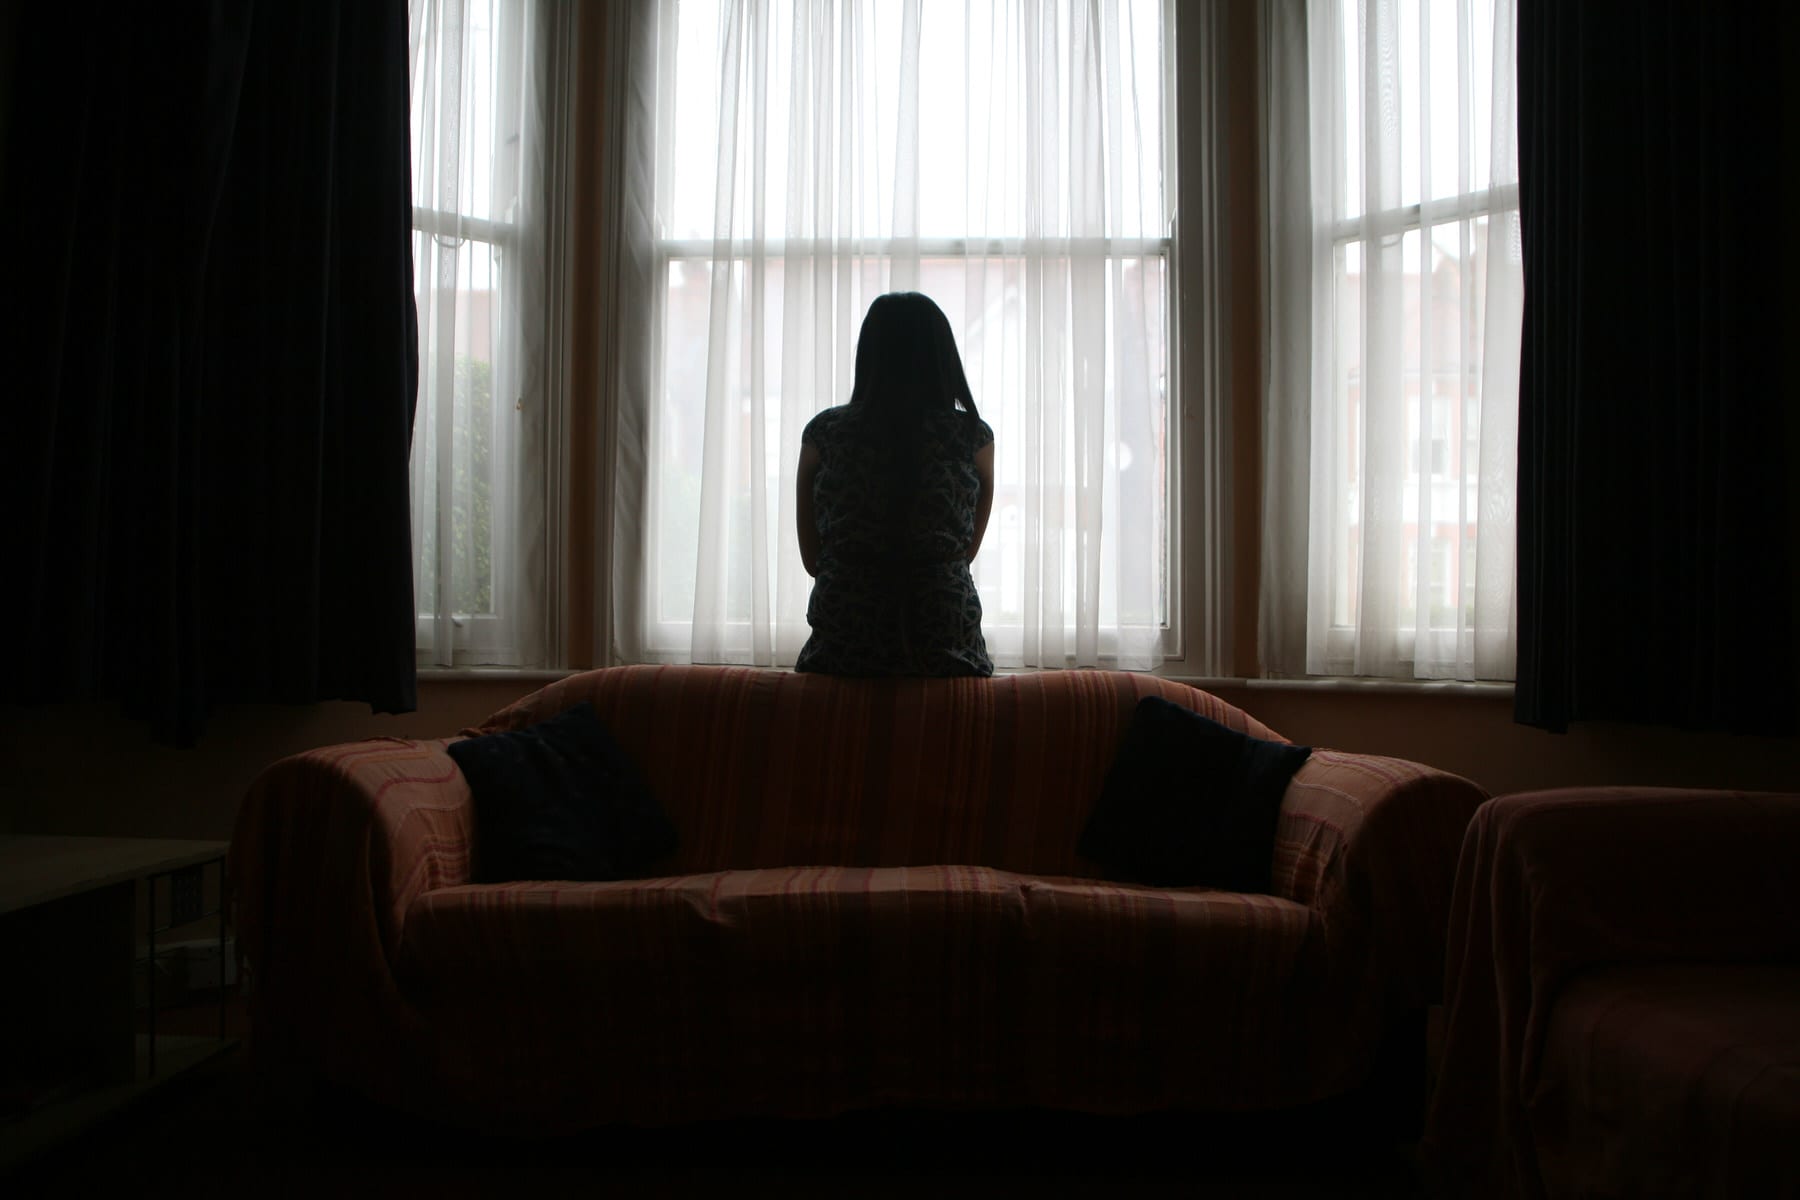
point(491, 637)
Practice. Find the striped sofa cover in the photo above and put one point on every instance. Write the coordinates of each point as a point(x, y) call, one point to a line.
point(876, 900)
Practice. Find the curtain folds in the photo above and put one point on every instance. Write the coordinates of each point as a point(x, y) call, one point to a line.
point(1004, 158)
point(1389, 459)
point(1287, 288)
point(211, 329)
point(1656, 406)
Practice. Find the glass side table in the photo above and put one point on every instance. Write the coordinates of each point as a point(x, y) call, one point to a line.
point(185, 887)
point(70, 1050)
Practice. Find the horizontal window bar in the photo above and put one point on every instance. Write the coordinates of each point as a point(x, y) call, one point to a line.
point(702, 248)
point(1394, 221)
point(459, 227)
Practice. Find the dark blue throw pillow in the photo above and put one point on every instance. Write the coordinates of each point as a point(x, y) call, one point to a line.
point(1189, 802)
point(560, 800)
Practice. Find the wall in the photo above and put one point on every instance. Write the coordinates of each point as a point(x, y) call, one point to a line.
point(86, 770)
point(1475, 736)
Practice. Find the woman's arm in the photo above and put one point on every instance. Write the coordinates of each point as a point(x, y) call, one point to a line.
point(803, 508)
point(984, 502)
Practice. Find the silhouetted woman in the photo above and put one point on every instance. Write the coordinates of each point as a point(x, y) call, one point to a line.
point(894, 492)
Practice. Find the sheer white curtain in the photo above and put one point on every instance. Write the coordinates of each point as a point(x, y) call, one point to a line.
point(1390, 476)
point(1006, 157)
point(488, 386)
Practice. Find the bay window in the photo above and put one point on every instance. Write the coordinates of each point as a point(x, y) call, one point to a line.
point(1061, 178)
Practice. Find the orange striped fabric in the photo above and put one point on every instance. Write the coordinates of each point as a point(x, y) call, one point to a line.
point(770, 768)
point(1363, 839)
point(330, 849)
point(876, 898)
point(815, 990)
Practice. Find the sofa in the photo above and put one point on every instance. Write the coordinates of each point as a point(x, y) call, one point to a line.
point(1622, 1001)
point(876, 900)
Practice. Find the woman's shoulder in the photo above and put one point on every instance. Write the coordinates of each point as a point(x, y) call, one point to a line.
point(970, 430)
point(824, 423)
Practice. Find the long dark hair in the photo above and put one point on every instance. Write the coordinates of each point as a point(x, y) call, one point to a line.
point(907, 366)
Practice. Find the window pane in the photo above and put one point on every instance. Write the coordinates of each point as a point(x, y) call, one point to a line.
point(1425, 132)
point(986, 302)
point(972, 117)
point(456, 427)
point(1432, 328)
point(460, 151)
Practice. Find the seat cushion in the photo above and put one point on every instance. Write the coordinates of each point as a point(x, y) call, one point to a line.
point(807, 991)
point(1672, 1080)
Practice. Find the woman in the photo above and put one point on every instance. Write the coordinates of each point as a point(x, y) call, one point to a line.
point(893, 493)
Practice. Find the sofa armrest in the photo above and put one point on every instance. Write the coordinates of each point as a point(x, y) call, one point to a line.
point(329, 850)
point(1553, 883)
point(1607, 876)
point(1371, 843)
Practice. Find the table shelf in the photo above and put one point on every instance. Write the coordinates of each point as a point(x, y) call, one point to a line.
point(69, 915)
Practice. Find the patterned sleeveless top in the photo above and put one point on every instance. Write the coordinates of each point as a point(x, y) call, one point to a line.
point(874, 611)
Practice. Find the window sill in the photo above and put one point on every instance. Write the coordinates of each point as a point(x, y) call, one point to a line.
point(1492, 690)
point(1393, 687)
point(489, 675)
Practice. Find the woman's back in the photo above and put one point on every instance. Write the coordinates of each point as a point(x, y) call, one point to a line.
point(892, 594)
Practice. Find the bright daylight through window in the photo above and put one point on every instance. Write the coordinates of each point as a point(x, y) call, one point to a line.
point(1013, 159)
point(1417, 266)
point(468, 57)
point(1009, 160)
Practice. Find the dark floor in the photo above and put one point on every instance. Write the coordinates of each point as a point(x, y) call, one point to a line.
point(201, 1136)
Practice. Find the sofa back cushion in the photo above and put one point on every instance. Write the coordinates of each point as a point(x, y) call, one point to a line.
point(560, 800)
point(762, 768)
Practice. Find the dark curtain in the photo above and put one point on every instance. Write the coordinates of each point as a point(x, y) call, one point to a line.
point(212, 360)
point(1655, 576)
